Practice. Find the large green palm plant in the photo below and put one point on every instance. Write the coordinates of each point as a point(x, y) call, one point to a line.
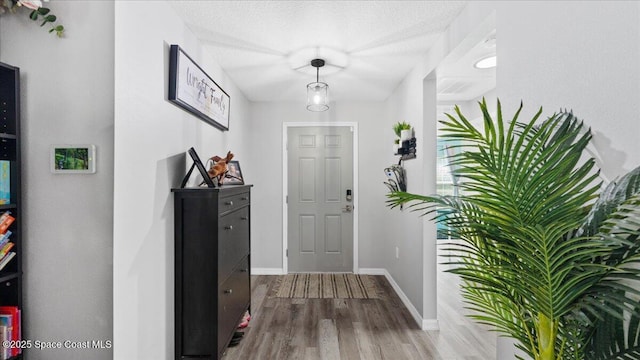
point(545, 257)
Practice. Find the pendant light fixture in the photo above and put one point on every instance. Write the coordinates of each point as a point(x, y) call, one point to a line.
point(317, 92)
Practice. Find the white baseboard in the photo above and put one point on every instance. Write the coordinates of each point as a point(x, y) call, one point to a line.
point(267, 271)
point(430, 325)
point(407, 303)
point(371, 271)
point(425, 324)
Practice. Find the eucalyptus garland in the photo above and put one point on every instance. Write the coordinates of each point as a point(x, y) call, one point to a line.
point(38, 13)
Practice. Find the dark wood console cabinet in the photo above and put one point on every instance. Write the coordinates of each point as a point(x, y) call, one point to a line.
point(212, 268)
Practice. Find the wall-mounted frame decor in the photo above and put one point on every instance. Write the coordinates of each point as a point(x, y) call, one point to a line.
point(73, 159)
point(234, 174)
point(192, 89)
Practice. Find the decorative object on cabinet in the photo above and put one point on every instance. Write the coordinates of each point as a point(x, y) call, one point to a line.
point(234, 174)
point(218, 168)
point(194, 90)
point(11, 236)
point(38, 13)
point(73, 159)
point(212, 268)
point(203, 172)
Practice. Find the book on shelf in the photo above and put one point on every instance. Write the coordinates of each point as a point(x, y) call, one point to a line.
point(5, 260)
point(5, 221)
point(20, 329)
point(7, 333)
point(4, 238)
point(14, 313)
point(4, 250)
point(5, 182)
point(3, 338)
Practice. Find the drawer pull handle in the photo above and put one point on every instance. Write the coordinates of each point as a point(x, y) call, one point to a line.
point(228, 291)
point(244, 198)
point(244, 218)
point(230, 203)
point(228, 227)
point(244, 270)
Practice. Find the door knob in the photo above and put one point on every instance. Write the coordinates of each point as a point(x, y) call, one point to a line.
point(347, 209)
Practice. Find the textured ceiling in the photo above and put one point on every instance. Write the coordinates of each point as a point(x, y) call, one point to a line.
point(459, 80)
point(369, 46)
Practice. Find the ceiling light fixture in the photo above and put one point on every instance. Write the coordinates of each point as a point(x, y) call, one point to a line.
point(317, 92)
point(486, 63)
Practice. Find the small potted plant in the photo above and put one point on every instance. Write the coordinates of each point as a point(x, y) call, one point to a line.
point(403, 130)
point(396, 146)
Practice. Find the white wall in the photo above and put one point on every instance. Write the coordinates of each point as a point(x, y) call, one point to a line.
point(265, 136)
point(67, 97)
point(584, 57)
point(405, 228)
point(414, 235)
point(580, 56)
point(151, 138)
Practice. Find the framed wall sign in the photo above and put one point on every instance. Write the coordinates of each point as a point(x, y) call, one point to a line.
point(192, 89)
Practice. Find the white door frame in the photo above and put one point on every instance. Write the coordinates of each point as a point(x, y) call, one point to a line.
point(285, 186)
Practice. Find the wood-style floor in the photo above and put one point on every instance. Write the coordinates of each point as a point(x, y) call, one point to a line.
point(364, 329)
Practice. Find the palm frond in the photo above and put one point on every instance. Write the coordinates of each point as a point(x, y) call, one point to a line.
point(610, 198)
point(616, 302)
point(531, 265)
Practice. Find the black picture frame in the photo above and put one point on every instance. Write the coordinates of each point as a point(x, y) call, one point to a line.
point(192, 89)
point(198, 164)
point(234, 174)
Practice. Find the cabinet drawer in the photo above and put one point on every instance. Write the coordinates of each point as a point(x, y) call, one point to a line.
point(230, 203)
point(234, 296)
point(233, 241)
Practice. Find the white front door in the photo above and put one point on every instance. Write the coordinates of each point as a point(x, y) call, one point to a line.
point(320, 199)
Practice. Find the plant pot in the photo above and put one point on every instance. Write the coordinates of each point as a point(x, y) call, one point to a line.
point(406, 134)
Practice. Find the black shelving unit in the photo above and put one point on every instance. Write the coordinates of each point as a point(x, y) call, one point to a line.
point(407, 150)
point(11, 276)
